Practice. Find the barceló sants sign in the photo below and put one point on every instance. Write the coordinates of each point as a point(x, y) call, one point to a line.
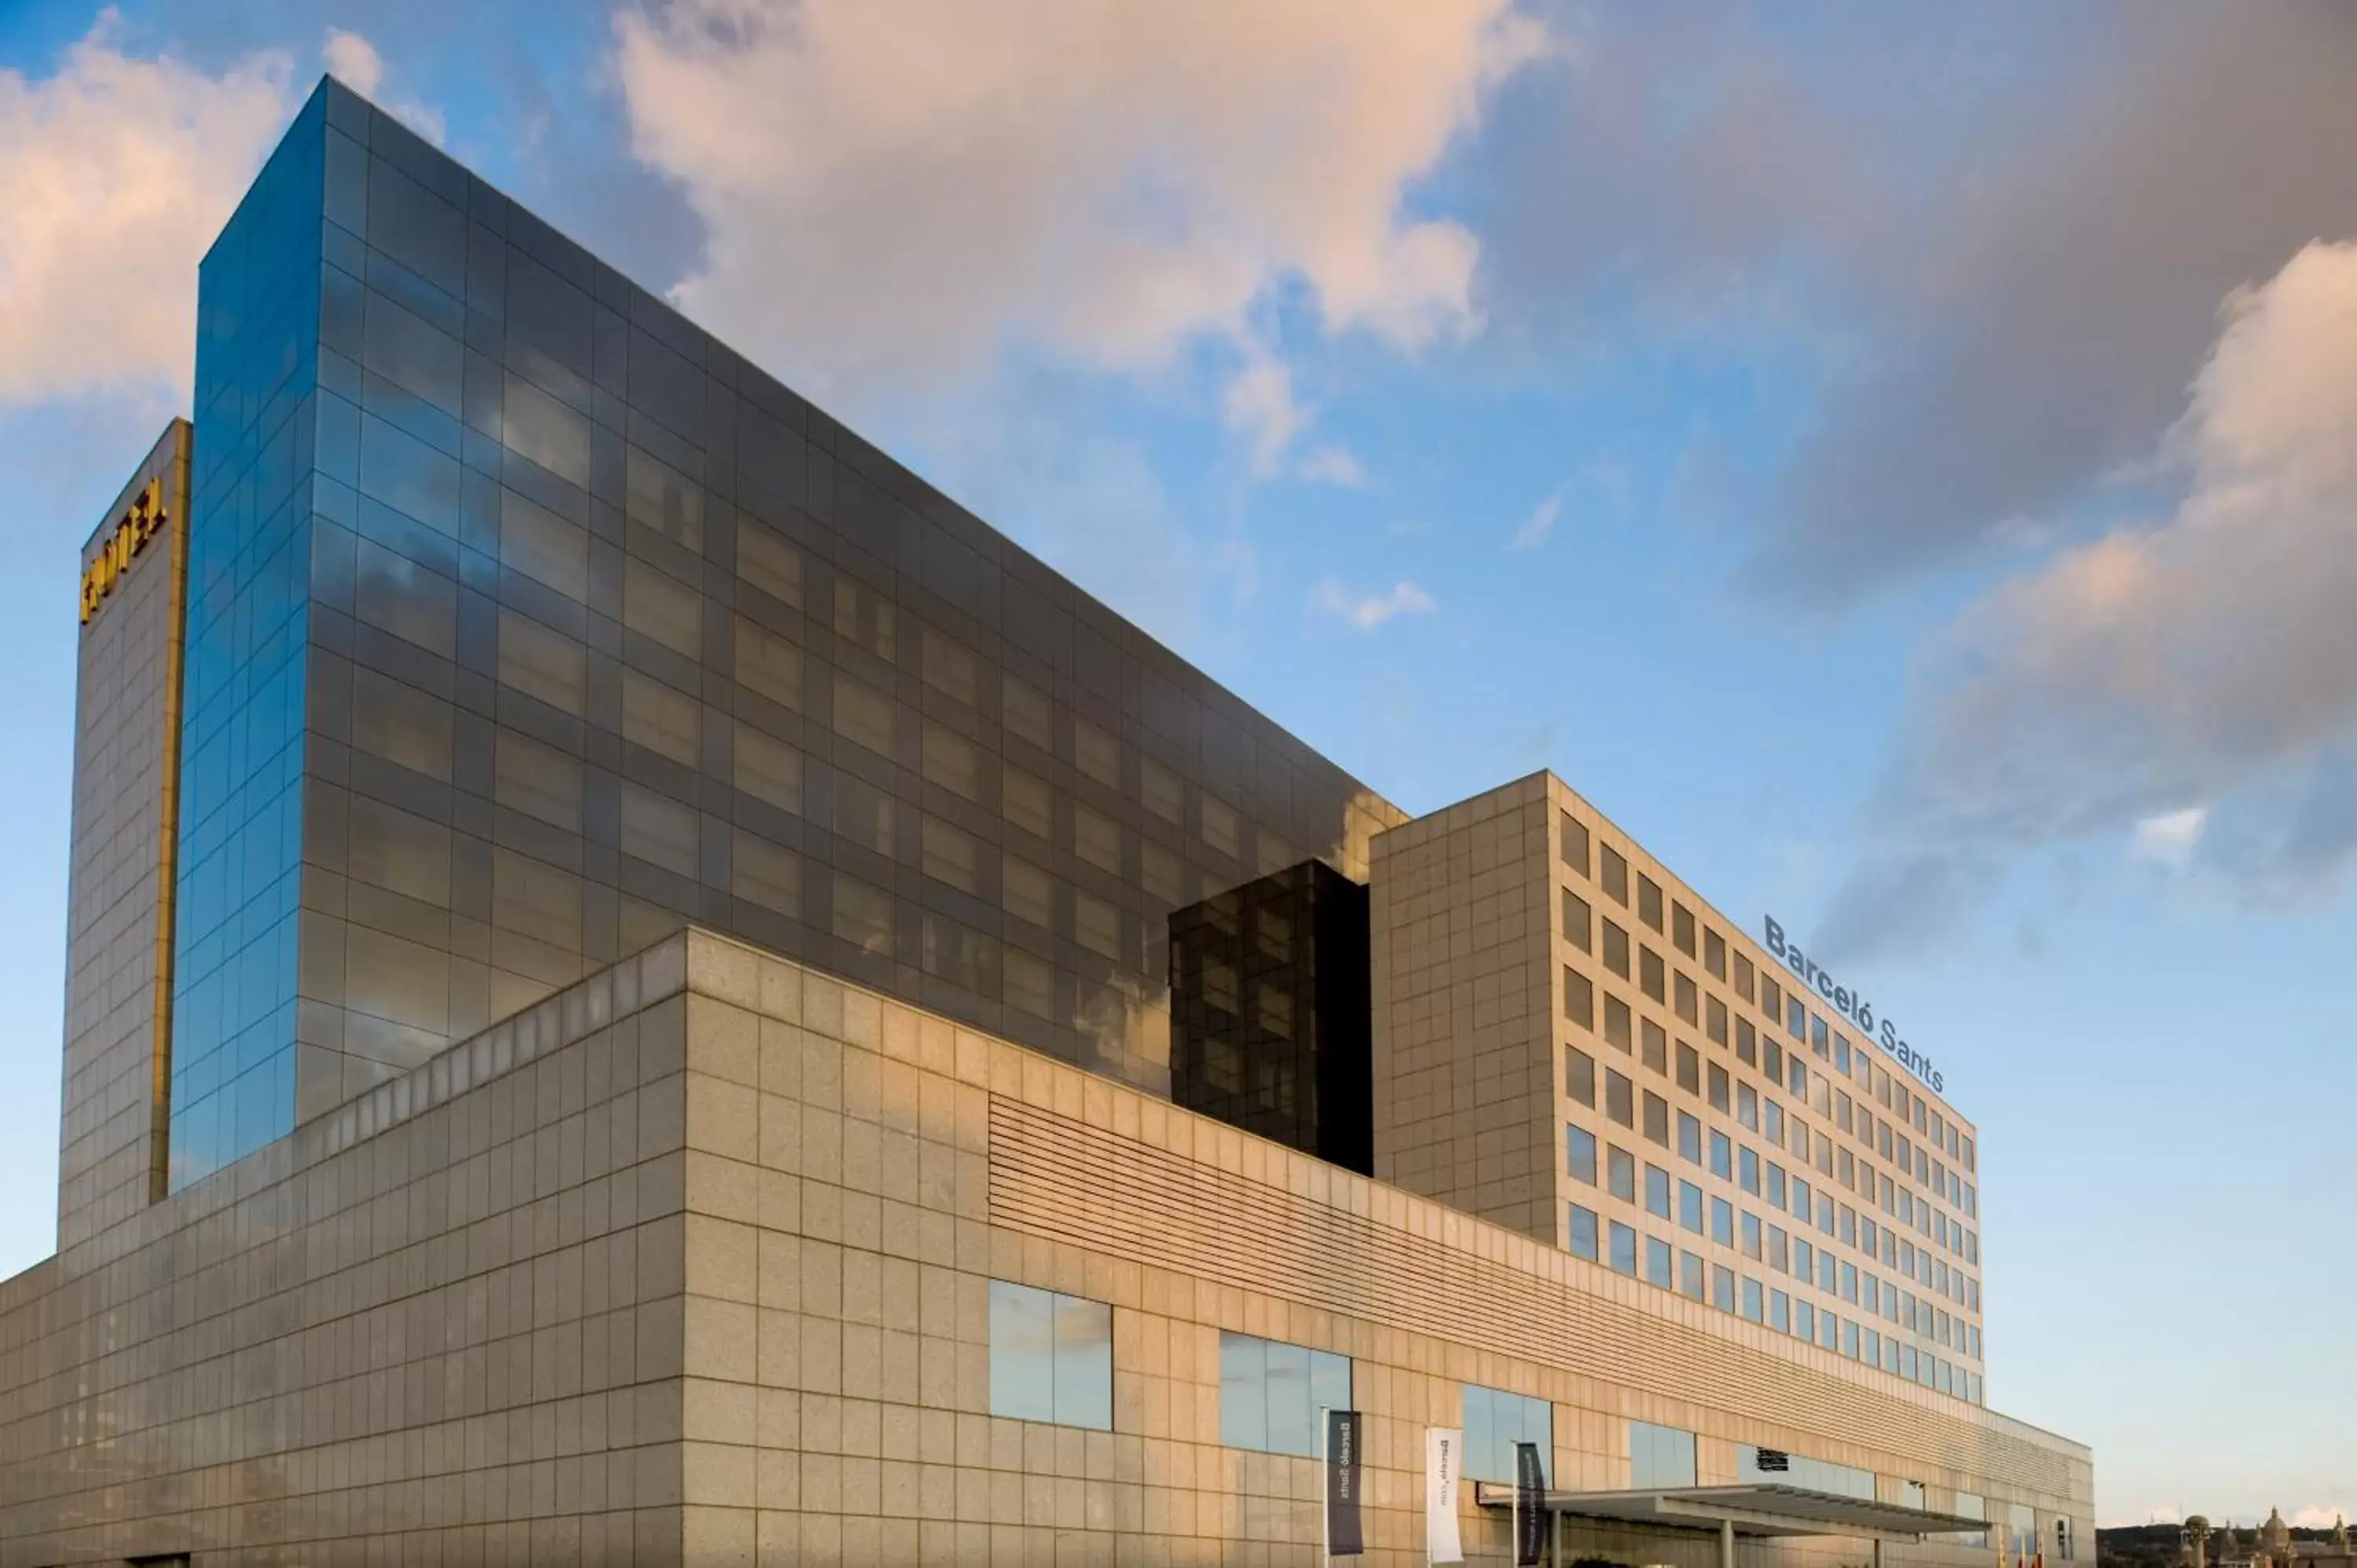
point(144, 520)
point(1850, 1005)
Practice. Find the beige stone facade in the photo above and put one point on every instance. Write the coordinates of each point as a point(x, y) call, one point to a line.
point(692, 1263)
point(110, 1157)
point(1539, 978)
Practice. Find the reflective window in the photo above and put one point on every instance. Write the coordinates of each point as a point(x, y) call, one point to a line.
point(1621, 1173)
point(1579, 1153)
point(1573, 839)
point(1613, 874)
point(1660, 1456)
point(1579, 1074)
point(766, 873)
point(1273, 1395)
point(658, 830)
point(664, 608)
point(1579, 998)
point(1583, 1231)
point(1495, 1421)
point(1624, 1249)
point(769, 666)
point(1658, 1263)
point(769, 564)
point(1050, 1357)
point(1577, 926)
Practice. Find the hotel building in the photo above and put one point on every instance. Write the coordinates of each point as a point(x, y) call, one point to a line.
point(645, 989)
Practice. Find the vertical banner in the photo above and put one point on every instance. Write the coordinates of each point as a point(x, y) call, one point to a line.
point(1530, 1506)
point(1444, 1452)
point(1343, 1474)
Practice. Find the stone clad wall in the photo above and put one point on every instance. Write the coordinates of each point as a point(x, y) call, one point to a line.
point(858, 1171)
point(443, 1320)
point(692, 1263)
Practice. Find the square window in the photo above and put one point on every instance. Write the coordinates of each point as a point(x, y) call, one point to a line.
point(1583, 1232)
point(1579, 1153)
point(1579, 1074)
point(1572, 841)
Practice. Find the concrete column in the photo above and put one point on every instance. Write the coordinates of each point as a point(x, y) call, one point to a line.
point(1726, 1544)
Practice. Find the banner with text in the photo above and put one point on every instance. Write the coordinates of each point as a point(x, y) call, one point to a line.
point(1444, 1452)
point(1344, 1536)
point(1530, 1506)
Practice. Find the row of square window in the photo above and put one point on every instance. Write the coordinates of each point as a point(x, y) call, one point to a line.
point(1916, 1263)
point(1877, 1134)
point(1620, 1104)
point(1051, 1360)
point(1616, 1246)
point(1737, 971)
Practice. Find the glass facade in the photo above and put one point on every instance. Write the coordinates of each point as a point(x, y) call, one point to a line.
point(1272, 1014)
point(527, 624)
point(1660, 1456)
point(250, 526)
point(1050, 1357)
point(1273, 1396)
point(1495, 1420)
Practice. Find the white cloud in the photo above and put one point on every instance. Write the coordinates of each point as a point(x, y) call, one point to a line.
point(894, 192)
point(1332, 465)
point(1368, 611)
point(2168, 838)
point(2317, 1517)
point(1260, 406)
point(1541, 522)
point(2211, 656)
point(115, 174)
point(354, 62)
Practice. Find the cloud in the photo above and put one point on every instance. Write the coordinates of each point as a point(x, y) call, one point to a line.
point(1332, 465)
point(2000, 276)
point(115, 174)
point(896, 193)
point(1261, 407)
point(1541, 522)
point(2319, 1516)
point(2211, 656)
point(1368, 611)
point(354, 62)
point(2169, 839)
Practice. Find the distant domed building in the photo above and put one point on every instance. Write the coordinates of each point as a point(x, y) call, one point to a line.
point(2269, 1546)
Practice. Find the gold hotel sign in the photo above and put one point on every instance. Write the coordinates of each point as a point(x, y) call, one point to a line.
point(141, 523)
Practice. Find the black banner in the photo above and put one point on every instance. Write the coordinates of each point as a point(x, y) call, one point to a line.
point(1529, 1506)
point(1345, 1470)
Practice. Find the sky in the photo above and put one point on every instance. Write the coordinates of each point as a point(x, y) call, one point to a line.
point(1895, 461)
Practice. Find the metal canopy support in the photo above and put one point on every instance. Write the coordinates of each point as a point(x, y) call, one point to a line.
point(1763, 1510)
point(1726, 1545)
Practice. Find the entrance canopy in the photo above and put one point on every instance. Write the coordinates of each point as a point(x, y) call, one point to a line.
point(1750, 1509)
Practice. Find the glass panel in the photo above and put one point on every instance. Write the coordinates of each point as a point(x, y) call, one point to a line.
point(1243, 1390)
point(1083, 1363)
point(1022, 1352)
point(1289, 1409)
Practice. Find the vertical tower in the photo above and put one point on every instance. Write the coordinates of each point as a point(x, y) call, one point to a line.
point(110, 1156)
point(258, 326)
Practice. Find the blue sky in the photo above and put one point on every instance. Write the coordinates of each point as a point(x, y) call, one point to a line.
point(1894, 465)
